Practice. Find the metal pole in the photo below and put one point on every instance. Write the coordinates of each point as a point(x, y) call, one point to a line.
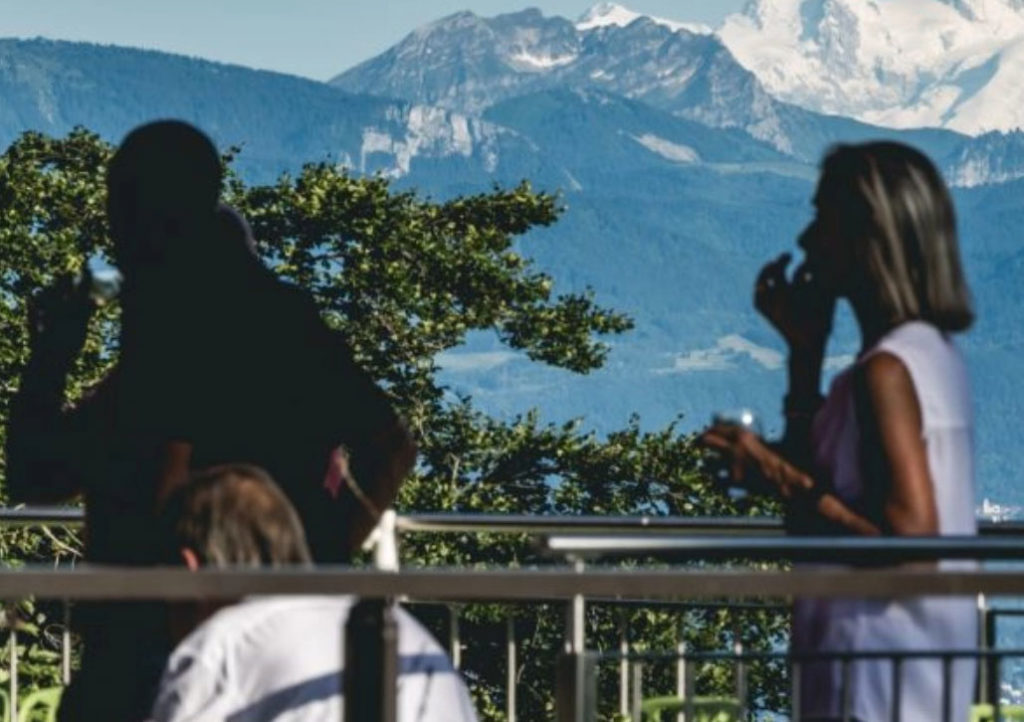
point(14, 671)
point(992, 662)
point(897, 687)
point(947, 693)
point(576, 634)
point(623, 667)
point(65, 646)
point(454, 637)
point(370, 672)
point(984, 644)
point(681, 673)
point(510, 693)
point(741, 672)
point(576, 688)
point(688, 708)
point(638, 692)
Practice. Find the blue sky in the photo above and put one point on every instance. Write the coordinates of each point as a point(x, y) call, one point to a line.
point(314, 38)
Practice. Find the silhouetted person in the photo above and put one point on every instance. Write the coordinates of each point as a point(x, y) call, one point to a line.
point(219, 362)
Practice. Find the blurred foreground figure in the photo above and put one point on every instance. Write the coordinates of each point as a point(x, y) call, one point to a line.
point(890, 450)
point(219, 361)
point(274, 658)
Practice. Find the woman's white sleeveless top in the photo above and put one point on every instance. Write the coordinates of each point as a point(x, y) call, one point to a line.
point(911, 623)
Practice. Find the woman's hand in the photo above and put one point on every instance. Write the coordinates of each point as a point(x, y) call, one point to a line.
point(752, 463)
point(801, 310)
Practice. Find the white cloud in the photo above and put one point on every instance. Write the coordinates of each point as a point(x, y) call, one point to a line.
point(838, 363)
point(474, 361)
point(725, 354)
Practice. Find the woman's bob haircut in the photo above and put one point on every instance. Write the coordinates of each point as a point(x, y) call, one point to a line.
point(900, 218)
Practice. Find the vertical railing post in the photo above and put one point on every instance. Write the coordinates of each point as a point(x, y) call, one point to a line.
point(991, 661)
point(576, 683)
point(370, 672)
point(576, 687)
point(897, 688)
point(623, 665)
point(13, 692)
point(997, 696)
point(454, 637)
point(65, 646)
point(741, 672)
point(984, 644)
point(636, 709)
point(681, 673)
point(510, 680)
point(947, 692)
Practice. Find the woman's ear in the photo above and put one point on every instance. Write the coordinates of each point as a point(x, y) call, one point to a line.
point(190, 558)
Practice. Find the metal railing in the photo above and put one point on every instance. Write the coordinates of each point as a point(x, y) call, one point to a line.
point(578, 585)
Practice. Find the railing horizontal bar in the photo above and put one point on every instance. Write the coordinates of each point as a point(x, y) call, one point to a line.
point(853, 656)
point(39, 515)
point(95, 582)
point(848, 550)
point(538, 524)
point(527, 523)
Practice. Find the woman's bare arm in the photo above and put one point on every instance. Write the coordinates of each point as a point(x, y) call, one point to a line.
point(893, 453)
point(811, 507)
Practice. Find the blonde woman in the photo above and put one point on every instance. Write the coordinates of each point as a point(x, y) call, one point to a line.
point(889, 451)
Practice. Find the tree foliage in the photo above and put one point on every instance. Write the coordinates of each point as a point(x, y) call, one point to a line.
point(405, 278)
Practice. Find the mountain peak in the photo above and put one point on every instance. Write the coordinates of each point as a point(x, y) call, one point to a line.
point(609, 13)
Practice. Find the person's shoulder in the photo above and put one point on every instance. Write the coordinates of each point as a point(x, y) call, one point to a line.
point(885, 373)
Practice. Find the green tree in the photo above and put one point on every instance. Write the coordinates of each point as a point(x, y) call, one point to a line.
point(405, 279)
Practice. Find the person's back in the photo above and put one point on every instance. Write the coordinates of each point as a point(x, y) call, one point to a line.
point(280, 658)
point(273, 658)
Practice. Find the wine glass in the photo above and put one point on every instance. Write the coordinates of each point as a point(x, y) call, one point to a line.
point(716, 463)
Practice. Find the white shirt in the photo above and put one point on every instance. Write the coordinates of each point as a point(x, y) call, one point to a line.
point(280, 658)
point(917, 623)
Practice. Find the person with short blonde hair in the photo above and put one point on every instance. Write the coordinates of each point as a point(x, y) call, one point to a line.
point(276, 657)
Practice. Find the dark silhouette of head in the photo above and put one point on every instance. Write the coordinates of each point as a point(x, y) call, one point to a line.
point(162, 187)
point(896, 230)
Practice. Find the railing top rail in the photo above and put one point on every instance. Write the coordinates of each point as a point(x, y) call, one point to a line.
point(553, 524)
point(529, 523)
point(471, 584)
point(791, 656)
point(846, 550)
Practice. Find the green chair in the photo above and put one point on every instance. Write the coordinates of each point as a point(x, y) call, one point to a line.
point(987, 713)
point(40, 706)
point(705, 709)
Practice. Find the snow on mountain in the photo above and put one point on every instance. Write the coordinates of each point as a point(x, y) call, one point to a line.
point(898, 63)
point(675, 152)
point(606, 13)
point(421, 131)
point(467, 64)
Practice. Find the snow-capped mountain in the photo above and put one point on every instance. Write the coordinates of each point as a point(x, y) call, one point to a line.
point(468, 63)
point(607, 13)
point(954, 64)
